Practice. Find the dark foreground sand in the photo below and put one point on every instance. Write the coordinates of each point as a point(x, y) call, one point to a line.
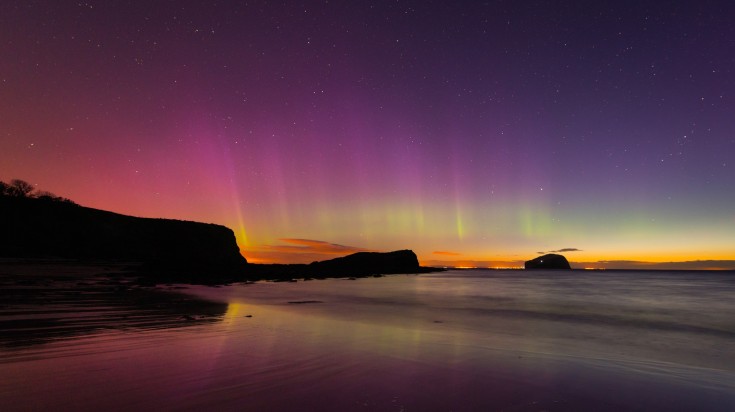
point(87, 337)
point(45, 301)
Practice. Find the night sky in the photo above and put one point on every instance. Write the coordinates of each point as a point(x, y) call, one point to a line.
point(474, 133)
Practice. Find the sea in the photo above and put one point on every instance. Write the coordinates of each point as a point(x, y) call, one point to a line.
point(459, 340)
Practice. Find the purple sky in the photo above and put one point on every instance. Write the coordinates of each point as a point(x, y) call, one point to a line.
point(485, 131)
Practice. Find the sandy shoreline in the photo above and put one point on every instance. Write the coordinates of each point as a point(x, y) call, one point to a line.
point(44, 301)
point(79, 335)
point(33, 267)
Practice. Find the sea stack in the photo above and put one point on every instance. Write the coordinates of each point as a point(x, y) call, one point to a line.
point(549, 261)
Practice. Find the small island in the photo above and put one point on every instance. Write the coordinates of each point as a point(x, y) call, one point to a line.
point(548, 261)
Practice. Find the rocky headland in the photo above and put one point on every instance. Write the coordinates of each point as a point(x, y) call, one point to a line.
point(41, 229)
point(160, 250)
point(548, 261)
point(360, 264)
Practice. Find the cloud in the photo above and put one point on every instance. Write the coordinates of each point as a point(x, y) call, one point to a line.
point(445, 253)
point(299, 251)
point(566, 249)
point(315, 246)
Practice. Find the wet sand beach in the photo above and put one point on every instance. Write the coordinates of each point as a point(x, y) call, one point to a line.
point(46, 301)
point(454, 341)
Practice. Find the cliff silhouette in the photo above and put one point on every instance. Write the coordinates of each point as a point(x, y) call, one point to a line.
point(360, 264)
point(368, 263)
point(40, 225)
point(36, 228)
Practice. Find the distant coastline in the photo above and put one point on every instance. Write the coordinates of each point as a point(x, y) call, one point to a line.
point(692, 265)
point(520, 269)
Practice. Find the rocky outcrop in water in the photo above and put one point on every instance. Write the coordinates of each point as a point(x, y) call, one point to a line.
point(548, 261)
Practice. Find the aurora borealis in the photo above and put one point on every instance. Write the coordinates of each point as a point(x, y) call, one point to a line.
point(474, 133)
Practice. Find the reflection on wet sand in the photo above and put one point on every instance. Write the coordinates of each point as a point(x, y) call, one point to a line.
point(422, 343)
point(37, 307)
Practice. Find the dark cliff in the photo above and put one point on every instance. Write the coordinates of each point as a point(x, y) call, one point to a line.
point(368, 263)
point(549, 261)
point(163, 250)
point(356, 265)
point(34, 228)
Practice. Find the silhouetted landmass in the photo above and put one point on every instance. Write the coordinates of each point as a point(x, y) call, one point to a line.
point(165, 248)
point(39, 225)
point(359, 264)
point(548, 261)
point(369, 263)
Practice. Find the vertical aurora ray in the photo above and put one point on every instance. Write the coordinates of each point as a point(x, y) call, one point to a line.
point(214, 157)
point(458, 222)
point(241, 234)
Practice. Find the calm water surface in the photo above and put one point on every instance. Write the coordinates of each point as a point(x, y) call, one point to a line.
point(452, 341)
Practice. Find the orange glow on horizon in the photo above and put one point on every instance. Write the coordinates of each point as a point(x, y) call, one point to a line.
point(291, 258)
